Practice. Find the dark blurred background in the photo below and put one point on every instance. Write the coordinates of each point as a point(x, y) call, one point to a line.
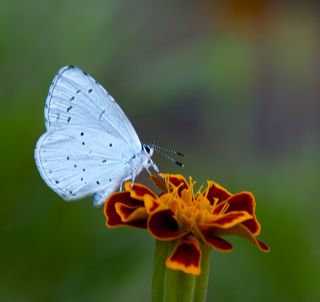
point(235, 85)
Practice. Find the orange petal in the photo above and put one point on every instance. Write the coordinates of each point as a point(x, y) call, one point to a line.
point(186, 256)
point(111, 211)
point(163, 226)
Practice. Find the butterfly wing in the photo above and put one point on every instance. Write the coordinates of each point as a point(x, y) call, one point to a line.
point(76, 99)
point(79, 161)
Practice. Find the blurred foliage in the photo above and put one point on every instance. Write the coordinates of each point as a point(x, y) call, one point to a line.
point(235, 87)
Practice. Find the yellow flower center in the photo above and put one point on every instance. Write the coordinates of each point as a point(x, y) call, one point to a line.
point(190, 208)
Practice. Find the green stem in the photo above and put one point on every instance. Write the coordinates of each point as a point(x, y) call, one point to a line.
point(179, 287)
point(175, 286)
point(159, 270)
point(201, 284)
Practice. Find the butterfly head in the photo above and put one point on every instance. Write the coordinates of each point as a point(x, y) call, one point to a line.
point(148, 149)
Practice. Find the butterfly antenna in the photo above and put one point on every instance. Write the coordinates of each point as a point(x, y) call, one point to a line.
point(158, 148)
point(161, 151)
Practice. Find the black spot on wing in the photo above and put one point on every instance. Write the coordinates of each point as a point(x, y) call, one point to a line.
point(78, 91)
point(69, 119)
point(100, 115)
point(69, 108)
point(81, 133)
point(98, 183)
point(90, 90)
point(72, 98)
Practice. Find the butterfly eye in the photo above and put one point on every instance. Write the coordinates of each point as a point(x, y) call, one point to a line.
point(147, 149)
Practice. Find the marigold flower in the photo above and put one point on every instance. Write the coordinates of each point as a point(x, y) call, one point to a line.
point(186, 216)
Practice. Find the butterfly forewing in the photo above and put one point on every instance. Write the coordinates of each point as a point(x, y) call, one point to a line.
point(76, 99)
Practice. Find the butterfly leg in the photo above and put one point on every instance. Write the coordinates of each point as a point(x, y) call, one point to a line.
point(132, 177)
point(132, 180)
point(153, 165)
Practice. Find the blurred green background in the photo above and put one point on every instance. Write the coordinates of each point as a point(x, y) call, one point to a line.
point(235, 86)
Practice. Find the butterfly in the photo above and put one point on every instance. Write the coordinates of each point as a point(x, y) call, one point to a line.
point(90, 146)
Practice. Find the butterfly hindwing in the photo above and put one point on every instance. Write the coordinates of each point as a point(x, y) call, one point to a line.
point(78, 161)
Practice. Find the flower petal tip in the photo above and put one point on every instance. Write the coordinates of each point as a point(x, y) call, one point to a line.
point(264, 247)
point(186, 256)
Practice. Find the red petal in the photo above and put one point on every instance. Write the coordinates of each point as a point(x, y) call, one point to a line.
point(178, 180)
point(186, 256)
point(245, 201)
point(253, 225)
point(263, 246)
point(129, 213)
point(215, 191)
point(213, 239)
point(217, 242)
point(163, 226)
point(243, 231)
point(219, 208)
point(230, 219)
point(112, 215)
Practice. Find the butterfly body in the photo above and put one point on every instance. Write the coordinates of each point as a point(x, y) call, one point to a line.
point(90, 146)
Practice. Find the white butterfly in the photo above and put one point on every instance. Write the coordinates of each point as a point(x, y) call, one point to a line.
point(90, 146)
